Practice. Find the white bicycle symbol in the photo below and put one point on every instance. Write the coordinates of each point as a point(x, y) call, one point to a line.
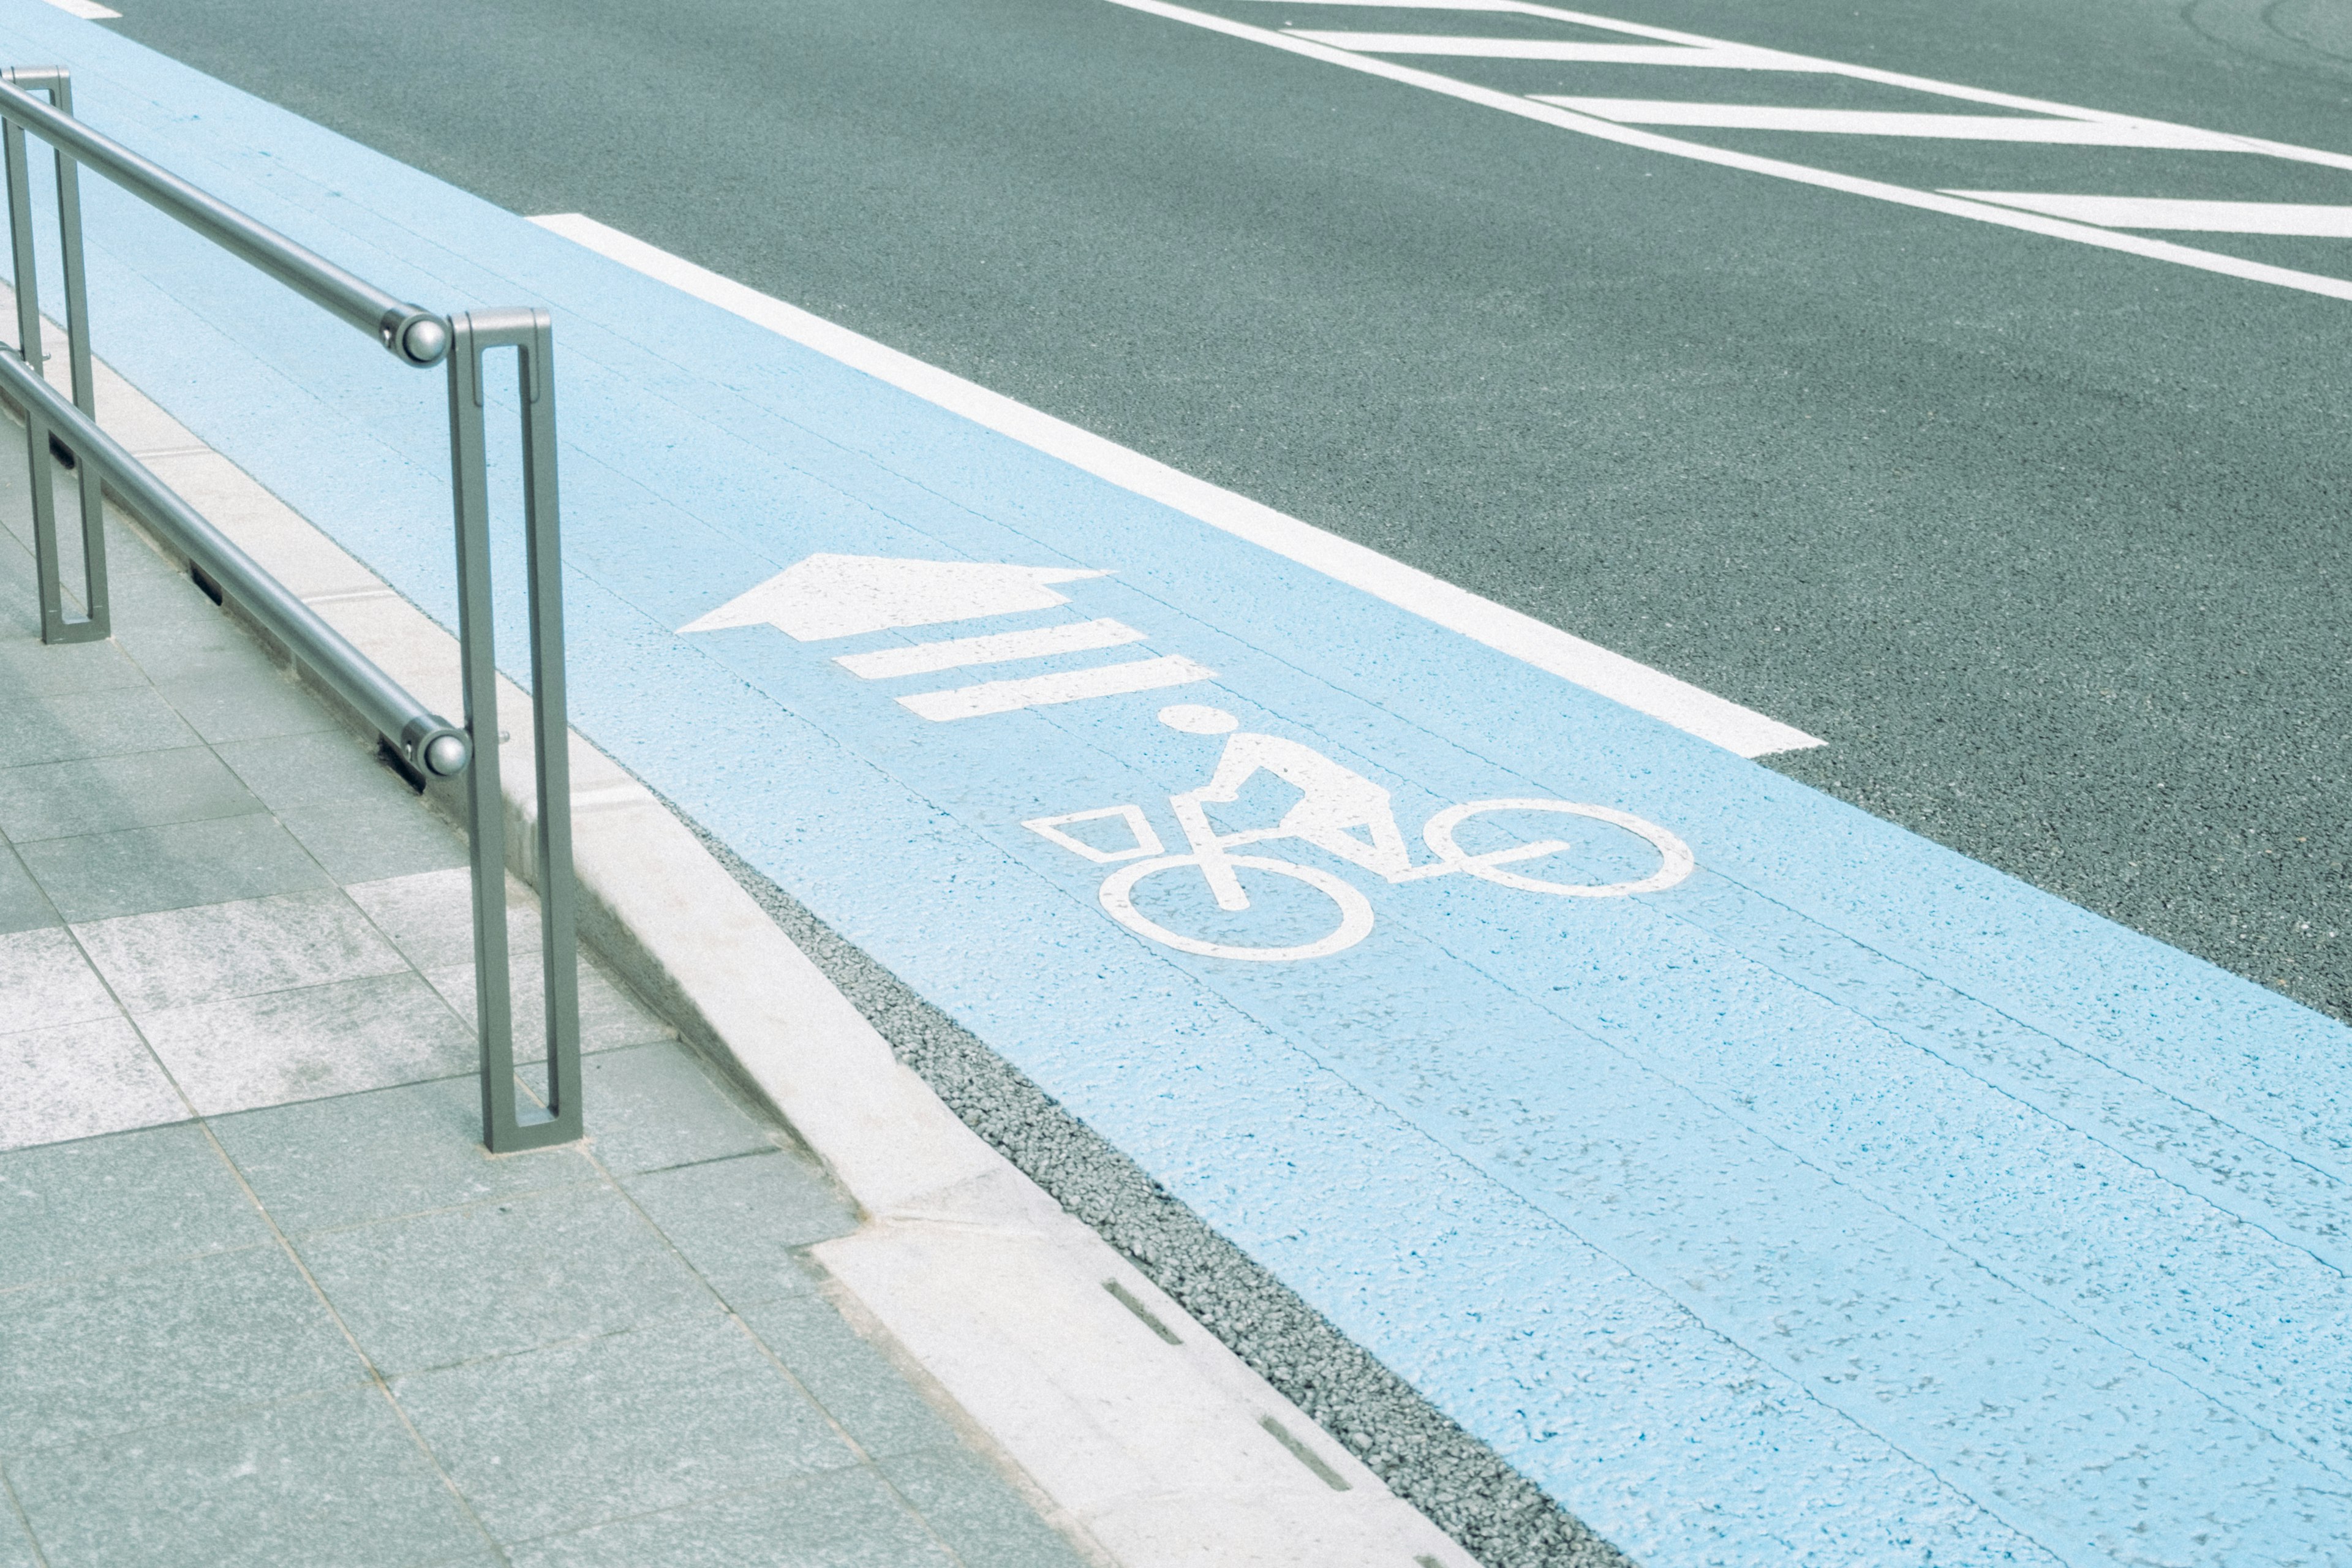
point(1209, 853)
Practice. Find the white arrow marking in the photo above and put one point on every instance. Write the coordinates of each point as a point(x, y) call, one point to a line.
point(1508, 631)
point(1039, 690)
point(1001, 649)
point(842, 596)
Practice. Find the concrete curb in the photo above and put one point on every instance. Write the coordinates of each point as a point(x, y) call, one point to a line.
point(1147, 1441)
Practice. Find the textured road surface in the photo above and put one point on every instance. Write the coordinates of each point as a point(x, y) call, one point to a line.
point(2048, 543)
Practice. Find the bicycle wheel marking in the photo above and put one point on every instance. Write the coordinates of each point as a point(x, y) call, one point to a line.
point(1355, 909)
point(1676, 861)
point(1211, 853)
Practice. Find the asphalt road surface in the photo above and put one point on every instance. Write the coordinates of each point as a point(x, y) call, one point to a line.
point(2047, 541)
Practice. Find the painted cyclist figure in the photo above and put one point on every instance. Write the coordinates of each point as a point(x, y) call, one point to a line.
point(1340, 811)
point(1334, 801)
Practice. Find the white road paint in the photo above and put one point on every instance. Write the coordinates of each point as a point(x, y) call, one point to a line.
point(1903, 195)
point(1042, 691)
point(1147, 838)
point(85, 9)
point(1733, 58)
point(829, 595)
point(1002, 648)
point(1874, 122)
point(1702, 713)
point(2156, 212)
point(1211, 856)
point(824, 595)
point(1339, 811)
point(2287, 150)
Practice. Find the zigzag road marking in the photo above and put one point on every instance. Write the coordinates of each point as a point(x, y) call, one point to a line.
point(1694, 50)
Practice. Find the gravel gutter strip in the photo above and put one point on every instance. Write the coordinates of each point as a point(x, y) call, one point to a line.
point(1464, 1488)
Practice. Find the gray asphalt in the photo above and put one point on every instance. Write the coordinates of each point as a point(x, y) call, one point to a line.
point(2048, 543)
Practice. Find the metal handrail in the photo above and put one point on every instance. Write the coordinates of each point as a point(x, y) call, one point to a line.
point(424, 738)
point(409, 331)
point(68, 429)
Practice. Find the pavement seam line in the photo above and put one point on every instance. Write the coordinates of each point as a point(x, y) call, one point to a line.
point(374, 1374)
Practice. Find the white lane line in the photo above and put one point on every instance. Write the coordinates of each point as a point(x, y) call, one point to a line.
point(1733, 57)
point(2287, 150)
point(1002, 648)
point(1491, 8)
point(1874, 122)
point(85, 9)
point(2160, 212)
point(1650, 140)
point(1612, 675)
point(1073, 686)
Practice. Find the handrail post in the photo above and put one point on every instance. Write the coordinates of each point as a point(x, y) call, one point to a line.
point(531, 334)
point(59, 430)
point(39, 447)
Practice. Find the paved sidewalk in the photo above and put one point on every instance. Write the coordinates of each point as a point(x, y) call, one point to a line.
point(263, 1298)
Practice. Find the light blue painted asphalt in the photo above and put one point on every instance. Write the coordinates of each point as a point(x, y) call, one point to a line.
point(1849, 1203)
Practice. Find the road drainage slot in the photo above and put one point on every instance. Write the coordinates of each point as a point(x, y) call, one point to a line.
point(392, 759)
point(1305, 1454)
point(211, 589)
point(1125, 1298)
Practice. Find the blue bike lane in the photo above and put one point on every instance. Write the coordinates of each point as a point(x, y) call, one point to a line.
point(1844, 1202)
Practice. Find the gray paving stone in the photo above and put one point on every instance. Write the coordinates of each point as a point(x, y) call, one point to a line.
point(367, 840)
point(115, 1353)
point(87, 724)
point(429, 916)
point(853, 1380)
point(303, 1044)
point(140, 870)
point(562, 1438)
point(977, 1511)
point(79, 1080)
point(23, 905)
point(179, 957)
point(176, 634)
point(610, 1018)
point(46, 983)
point(15, 1546)
point(652, 1106)
point(123, 1202)
point(245, 709)
point(331, 1481)
point(384, 1155)
point(436, 1289)
point(32, 668)
point(98, 795)
point(289, 772)
point(842, 1519)
point(742, 1222)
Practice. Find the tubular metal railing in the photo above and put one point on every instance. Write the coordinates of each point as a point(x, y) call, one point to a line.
point(61, 430)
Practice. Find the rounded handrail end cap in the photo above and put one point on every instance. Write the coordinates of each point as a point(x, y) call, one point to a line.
point(424, 339)
point(447, 753)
